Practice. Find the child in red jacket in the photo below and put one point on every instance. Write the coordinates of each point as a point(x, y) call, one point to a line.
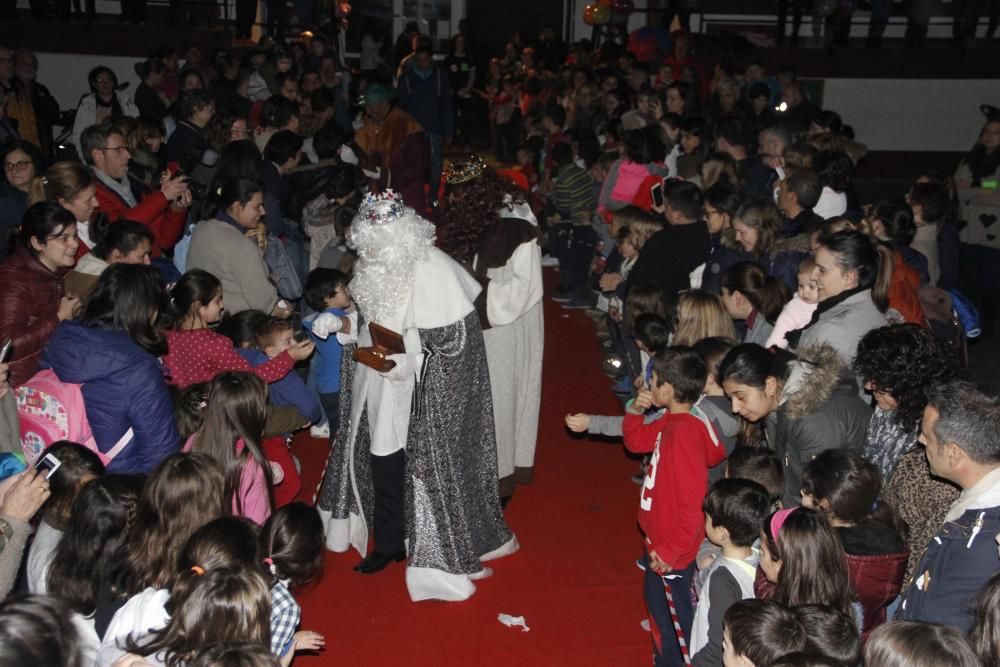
point(684, 446)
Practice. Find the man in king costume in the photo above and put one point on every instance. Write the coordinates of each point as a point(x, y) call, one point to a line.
point(486, 224)
point(416, 455)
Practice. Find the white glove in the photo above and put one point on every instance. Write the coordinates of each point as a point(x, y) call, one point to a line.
point(326, 324)
point(347, 155)
point(406, 366)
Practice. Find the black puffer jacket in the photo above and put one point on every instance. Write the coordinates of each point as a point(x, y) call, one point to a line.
point(819, 410)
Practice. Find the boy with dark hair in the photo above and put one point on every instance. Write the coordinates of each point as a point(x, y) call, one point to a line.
point(761, 465)
point(670, 255)
point(670, 511)
point(734, 510)
point(327, 293)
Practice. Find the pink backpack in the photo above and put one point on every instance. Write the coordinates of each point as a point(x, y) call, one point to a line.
point(51, 410)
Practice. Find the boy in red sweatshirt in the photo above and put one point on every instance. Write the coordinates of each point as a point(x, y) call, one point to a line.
point(683, 446)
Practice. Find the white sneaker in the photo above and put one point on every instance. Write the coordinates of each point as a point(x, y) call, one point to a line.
point(549, 260)
point(321, 431)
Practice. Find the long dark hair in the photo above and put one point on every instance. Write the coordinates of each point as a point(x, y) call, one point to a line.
point(128, 298)
point(986, 632)
point(238, 160)
point(751, 364)
point(41, 222)
point(765, 293)
point(77, 462)
point(38, 630)
point(226, 604)
point(229, 541)
point(852, 486)
point(195, 287)
point(982, 164)
point(183, 493)
point(123, 236)
point(95, 539)
point(236, 412)
point(292, 539)
point(813, 564)
point(856, 251)
point(471, 212)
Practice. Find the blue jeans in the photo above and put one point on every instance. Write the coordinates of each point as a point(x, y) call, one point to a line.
point(666, 648)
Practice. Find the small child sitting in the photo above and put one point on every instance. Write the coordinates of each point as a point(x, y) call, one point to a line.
point(327, 293)
point(274, 336)
point(683, 447)
point(799, 311)
point(734, 509)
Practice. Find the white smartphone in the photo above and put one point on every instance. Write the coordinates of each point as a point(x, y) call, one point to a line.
point(48, 464)
point(781, 173)
point(656, 191)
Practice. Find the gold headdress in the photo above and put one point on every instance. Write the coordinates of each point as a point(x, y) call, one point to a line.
point(460, 171)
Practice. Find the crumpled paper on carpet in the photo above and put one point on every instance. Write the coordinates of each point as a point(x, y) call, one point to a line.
point(514, 621)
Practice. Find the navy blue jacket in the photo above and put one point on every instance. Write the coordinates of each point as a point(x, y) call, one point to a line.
point(429, 101)
point(288, 391)
point(123, 387)
point(953, 569)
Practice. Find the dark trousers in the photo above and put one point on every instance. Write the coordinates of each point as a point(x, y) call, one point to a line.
point(389, 479)
point(666, 648)
point(277, 19)
point(798, 6)
point(331, 407)
point(246, 14)
point(573, 246)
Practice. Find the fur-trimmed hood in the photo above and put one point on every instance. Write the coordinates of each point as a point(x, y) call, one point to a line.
point(812, 379)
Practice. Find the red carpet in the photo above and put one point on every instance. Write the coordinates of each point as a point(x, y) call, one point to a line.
point(574, 579)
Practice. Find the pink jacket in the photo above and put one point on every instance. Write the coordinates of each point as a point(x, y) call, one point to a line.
point(623, 182)
point(253, 495)
point(795, 315)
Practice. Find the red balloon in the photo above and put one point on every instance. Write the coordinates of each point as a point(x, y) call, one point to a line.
point(596, 14)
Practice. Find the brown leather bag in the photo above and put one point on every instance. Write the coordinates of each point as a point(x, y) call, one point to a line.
point(384, 342)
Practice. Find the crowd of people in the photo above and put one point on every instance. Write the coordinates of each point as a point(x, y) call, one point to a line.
point(250, 248)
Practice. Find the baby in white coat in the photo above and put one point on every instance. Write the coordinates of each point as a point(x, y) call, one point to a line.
point(797, 312)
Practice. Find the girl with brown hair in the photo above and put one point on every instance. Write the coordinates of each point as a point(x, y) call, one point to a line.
point(801, 555)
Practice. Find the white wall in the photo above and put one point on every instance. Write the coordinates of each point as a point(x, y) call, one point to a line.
point(912, 114)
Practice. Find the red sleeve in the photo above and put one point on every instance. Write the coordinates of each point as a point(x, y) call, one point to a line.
point(683, 473)
point(643, 197)
point(172, 228)
point(225, 358)
point(27, 329)
point(640, 437)
point(152, 211)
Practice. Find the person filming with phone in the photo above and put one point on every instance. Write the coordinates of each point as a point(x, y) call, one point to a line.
point(163, 211)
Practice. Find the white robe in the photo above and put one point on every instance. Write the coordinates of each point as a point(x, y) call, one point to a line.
point(514, 346)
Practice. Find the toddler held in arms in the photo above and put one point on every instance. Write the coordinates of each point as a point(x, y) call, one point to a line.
point(799, 311)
